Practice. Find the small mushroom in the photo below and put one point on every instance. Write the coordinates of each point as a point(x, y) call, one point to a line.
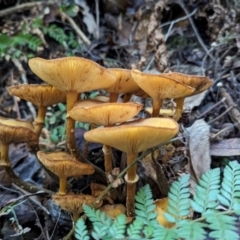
point(73, 75)
point(14, 131)
point(106, 114)
point(64, 166)
point(132, 138)
point(159, 87)
point(124, 84)
point(42, 95)
point(199, 83)
point(113, 211)
point(73, 203)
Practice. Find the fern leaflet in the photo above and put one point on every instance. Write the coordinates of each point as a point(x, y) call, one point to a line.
point(178, 199)
point(230, 188)
point(81, 232)
point(206, 191)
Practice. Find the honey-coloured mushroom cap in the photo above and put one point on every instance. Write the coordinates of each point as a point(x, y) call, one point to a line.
point(124, 84)
point(200, 83)
point(72, 73)
point(16, 131)
point(39, 94)
point(93, 111)
point(135, 136)
point(73, 203)
point(159, 87)
point(64, 166)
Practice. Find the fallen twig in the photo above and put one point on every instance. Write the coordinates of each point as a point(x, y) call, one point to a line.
point(24, 6)
point(75, 27)
point(229, 103)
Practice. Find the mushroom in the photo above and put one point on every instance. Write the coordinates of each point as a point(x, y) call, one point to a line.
point(64, 166)
point(132, 138)
point(73, 203)
point(113, 211)
point(106, 114)
point(14, 131)
point(73, 75)
point(42, 96)
point(124, 84)
point(199, 83)
point(159, 87)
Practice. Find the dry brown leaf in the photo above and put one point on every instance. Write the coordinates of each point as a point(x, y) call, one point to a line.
point(199, 148)
point(226, 147)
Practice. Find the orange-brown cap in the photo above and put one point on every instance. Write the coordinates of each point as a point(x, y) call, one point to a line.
point(73, 203)
point(72, 73)
point(39, 94)
point(16, 131)
point(63, 164)
point(113, 210)
point(200, 83)
point(160, 87)
point(124, 82)
point(100, 113)
point(135, 136)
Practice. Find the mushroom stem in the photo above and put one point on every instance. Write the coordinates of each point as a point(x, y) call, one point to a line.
point(4, 155)
point(39, 121)
point(72, 98)
point(127, 97)
point(156, 107)
point(107, 150)
point(179, 108)
point(113, 97)
point(75, 216)
point(62, 186)
point(131, 179)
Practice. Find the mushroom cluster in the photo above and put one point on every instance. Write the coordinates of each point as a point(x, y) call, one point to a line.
point(117, 124)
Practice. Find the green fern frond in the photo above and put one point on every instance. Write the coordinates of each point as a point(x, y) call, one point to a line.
point(191, 230)
point(134, 230)
point(230, 188)
point(162, 233)
point(178, 199)
point(206, 191)
point(223, 226)
point(81, 232)
point(118, 227)
point(144, 206)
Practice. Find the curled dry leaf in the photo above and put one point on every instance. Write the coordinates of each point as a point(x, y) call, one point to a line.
point(199, 148)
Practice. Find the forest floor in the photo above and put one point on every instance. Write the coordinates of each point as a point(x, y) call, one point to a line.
point(192, 37)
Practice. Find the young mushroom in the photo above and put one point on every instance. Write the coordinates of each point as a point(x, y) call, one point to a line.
point(199, 83)
point(73, 75)
point(42, 95)
point(106, 114)
point(159, 87)
point(73, 203)
point(132, 138)
point(64, 165)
